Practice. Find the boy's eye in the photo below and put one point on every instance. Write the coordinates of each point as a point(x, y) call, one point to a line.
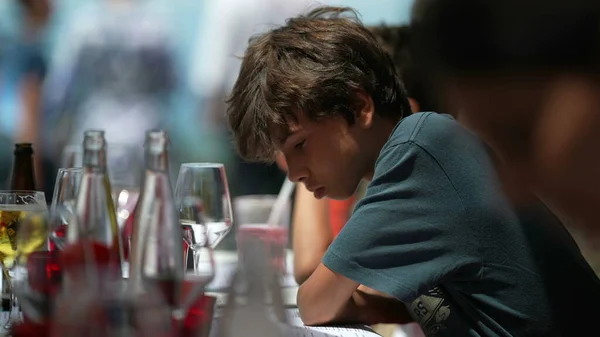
point(299, 145)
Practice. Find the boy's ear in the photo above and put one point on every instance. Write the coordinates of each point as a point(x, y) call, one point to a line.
point(365, 109)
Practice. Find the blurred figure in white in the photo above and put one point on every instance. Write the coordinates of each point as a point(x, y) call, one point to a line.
point(112, 70)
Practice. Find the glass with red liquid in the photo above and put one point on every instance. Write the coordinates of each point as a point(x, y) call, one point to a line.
point(251, 214)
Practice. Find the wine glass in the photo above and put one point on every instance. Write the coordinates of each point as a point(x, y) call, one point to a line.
point(62, 208)
point(18, 207)
point(202, 188)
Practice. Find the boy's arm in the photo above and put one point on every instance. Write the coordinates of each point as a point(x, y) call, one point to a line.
point(312, 233)
point(328, 297)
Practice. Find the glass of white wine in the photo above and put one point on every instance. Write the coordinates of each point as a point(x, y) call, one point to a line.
point(23, 230)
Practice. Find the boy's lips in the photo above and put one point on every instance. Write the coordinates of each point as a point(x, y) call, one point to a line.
point(319, 192)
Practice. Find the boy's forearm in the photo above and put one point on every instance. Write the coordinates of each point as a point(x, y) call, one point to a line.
point(327, 298)
point(370, 308)
point(323, 298)
point(312, 234)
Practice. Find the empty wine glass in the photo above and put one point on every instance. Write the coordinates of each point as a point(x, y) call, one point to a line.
point(62, 208)
point(203, 187)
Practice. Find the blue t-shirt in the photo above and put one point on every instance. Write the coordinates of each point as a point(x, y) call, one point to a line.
point(435, 231)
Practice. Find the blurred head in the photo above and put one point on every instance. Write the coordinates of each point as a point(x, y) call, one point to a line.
point(508, 66)
point(319, 90)
point(38, 10)
point(396, 40)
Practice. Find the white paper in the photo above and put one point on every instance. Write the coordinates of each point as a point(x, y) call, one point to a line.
point(298, 329)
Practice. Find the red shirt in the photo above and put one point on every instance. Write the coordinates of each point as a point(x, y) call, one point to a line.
point(339, 213)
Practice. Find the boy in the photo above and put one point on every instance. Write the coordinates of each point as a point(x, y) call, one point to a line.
point(434, 230)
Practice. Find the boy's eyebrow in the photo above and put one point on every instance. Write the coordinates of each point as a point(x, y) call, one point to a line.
point(285, 135)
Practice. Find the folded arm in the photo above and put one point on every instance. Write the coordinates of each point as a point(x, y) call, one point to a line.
point(327, 297)
point(312, 234)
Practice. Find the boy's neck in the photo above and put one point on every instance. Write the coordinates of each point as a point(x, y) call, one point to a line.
point(380, 132)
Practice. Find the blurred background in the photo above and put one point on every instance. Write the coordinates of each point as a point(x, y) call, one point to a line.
point(126, 66)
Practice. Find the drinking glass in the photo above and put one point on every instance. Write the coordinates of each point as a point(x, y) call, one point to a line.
point(17, 208)
point(62, 209)
point(252, 213)
point(202, 189)
point(36, 274)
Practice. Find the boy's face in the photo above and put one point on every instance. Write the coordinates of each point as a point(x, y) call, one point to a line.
point(329, 156)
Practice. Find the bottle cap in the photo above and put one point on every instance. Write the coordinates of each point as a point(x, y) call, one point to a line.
point(93, 140)
point(157, 141)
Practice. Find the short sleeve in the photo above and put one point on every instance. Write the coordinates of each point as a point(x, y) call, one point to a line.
point(411, 230)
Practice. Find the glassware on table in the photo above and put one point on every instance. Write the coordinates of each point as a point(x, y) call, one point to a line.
point(27, 208)
point(157, 248)
point(124, 165)
point(252, 213)
point(203, 187)
point(16, 206)
point(94, 238)
point(37, 274)
point(23, 176)
point(62, 209)
point(197, 308)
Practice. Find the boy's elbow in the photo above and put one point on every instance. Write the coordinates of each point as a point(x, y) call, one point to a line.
point(310, 313)
point(302, 272)
point(305, 264)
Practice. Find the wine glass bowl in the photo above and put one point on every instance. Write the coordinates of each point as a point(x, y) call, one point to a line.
point(62, 209)
point(15, 207)
point(202, 193)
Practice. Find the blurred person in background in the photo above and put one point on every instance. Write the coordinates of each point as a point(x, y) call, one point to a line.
point(531, 91)
point(23, 68)
point(434, 229)
point(525, 76)
point(113, 70)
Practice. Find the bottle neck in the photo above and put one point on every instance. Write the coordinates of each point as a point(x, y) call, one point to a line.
point(23, 177)
point(95, 160)
point(157, 161)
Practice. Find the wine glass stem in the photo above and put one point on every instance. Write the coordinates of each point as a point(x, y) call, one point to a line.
point(196, 257)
